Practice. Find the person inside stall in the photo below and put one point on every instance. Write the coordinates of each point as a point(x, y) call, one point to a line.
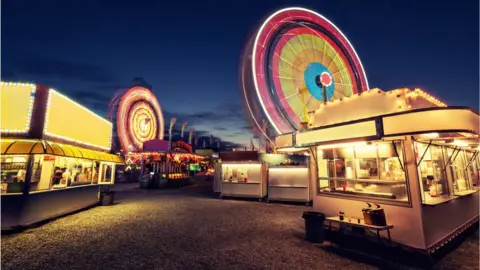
point(66, 177)
point(57, 176)
point(20, 177)
point(88, 174)
point(80, 177)
point(95, 172)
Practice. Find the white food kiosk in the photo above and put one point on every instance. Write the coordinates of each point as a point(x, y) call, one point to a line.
point(243, 175)
point(288, 177)
point(402, 149)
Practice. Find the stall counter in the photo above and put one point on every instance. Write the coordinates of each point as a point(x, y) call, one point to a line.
point(289, 183)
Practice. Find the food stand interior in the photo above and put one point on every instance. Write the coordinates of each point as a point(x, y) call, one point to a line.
point(403, 150)
point(243, 175)
point(45, 176)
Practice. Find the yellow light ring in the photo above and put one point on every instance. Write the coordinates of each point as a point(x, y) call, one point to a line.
point(127, 102)
point(138, 113)
point(137, 116)
point(142, 126)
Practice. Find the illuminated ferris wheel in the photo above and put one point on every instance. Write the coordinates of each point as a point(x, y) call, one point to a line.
point(296, 61)
point(138, 118)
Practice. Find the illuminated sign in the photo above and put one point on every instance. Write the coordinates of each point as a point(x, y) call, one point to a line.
point(68, 120)
point(16, 104)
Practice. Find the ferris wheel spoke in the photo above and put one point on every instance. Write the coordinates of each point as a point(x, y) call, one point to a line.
point(285, 61)
point(295, 52)
point(339, 71)
point(313, 48)
point(290, 96)
point(286, 78)
point(301, 42)
point(323, 52)
point(304, 106)
point(291, 48)
point(340, 83)
point(344, 90)
point(333, 60)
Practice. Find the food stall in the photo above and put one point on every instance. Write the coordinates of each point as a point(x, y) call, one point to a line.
point(243, 175)
point(288, 177)
point(52, 162)
point(401, 149)
point(161, 167)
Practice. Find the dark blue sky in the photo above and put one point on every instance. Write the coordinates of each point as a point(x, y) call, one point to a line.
point(189, 51)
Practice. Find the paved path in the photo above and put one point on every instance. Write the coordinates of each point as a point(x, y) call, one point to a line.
point(184, 229)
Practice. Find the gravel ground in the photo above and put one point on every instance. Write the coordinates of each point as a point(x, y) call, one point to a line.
point(186, 229)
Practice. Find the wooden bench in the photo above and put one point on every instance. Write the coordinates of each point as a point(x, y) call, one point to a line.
point(354, 223)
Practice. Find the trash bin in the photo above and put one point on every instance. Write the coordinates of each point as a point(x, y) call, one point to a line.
point(145, 181)
point(314, 226)
point(107, 198)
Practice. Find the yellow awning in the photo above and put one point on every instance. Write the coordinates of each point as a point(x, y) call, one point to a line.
point(27, 147)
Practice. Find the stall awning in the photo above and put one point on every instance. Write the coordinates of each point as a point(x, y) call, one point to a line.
point(26, 147)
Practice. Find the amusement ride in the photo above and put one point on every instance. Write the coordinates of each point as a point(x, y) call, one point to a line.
point(296, 61)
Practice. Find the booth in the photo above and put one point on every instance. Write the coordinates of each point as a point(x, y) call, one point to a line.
point(54, 155)
point(403, 150)
point(243, 175)
point(288, 177)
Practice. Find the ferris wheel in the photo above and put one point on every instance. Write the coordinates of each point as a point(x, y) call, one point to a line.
point(294, 62)
point(139, 118)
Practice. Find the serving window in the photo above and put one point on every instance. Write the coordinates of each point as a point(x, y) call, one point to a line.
point(432, 173)
point(106, 173)
point(374, 171)
point(463, 168)
point(445, 172)
point(58, 172)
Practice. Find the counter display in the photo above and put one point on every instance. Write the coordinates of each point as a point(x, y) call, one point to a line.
point(243, 180)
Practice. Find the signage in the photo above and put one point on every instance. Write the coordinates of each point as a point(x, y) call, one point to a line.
point(66, 119)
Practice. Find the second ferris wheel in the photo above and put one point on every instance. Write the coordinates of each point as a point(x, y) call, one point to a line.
point(297, 60)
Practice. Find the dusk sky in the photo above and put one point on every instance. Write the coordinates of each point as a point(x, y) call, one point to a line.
point(190, 51)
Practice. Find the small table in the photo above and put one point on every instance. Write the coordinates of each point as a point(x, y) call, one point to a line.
point(354, 223)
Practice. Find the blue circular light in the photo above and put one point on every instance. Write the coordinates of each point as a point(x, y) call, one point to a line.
point(313, 70)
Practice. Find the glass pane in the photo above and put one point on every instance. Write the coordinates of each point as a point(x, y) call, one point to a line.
point(462, 175)
point(391, 169)
point(359, 175)
point(433, 181)
point(13, 171)
point(473, 169)
point(340, 168)
point(367, 168)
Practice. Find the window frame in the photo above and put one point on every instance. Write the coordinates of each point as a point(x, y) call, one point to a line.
point(362, 198)
point(448, 171)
